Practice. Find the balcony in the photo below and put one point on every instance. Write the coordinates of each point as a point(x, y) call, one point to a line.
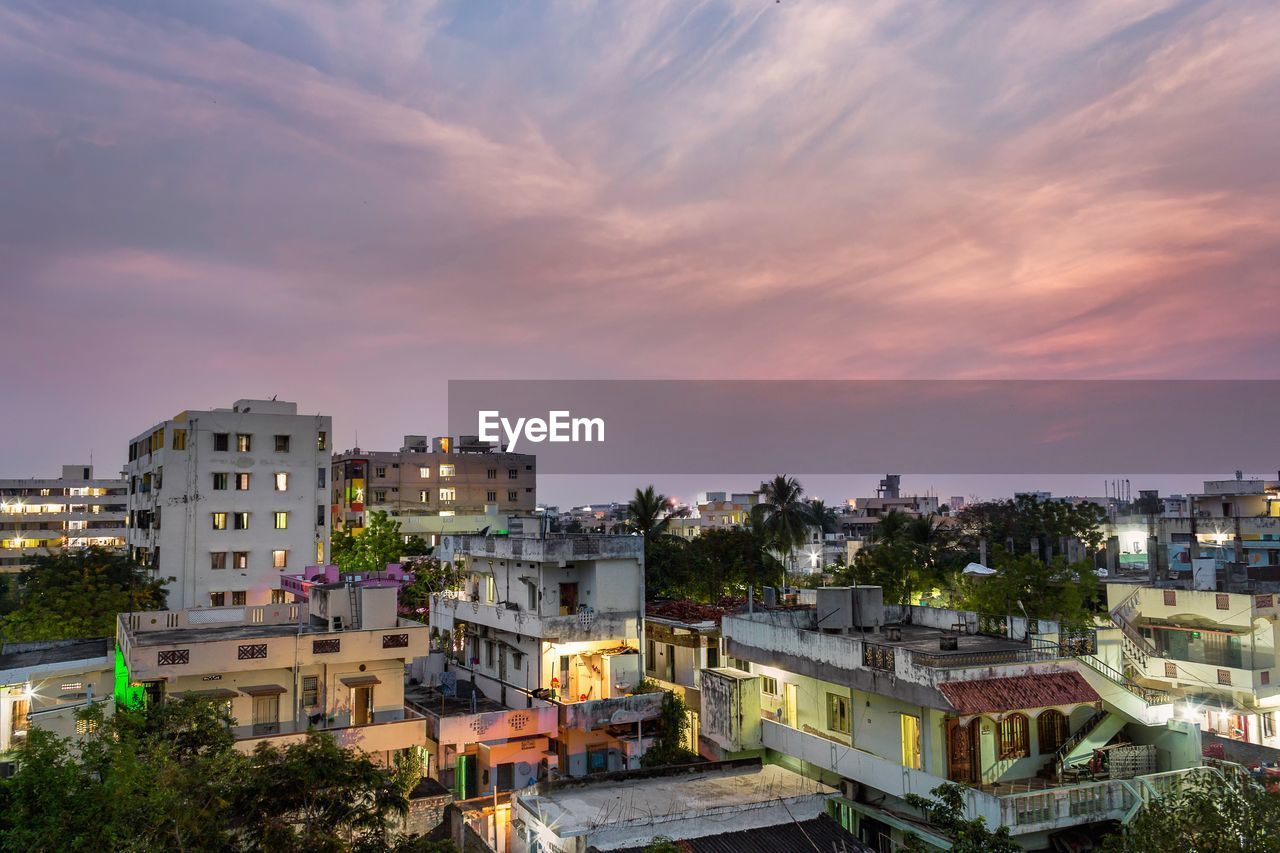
point(394, 729)
point(585, 626)
point(554, 547)
point(600, 713)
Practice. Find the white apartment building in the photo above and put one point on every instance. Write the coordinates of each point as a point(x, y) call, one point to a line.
point(76, 510)
point(225, 501)
point(554, 619)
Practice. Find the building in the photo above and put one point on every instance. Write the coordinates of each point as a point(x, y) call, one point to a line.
point(47, 684)
point(76, 510)
point(335, 663)
point(881, 701)
point(1214, 652)
point(434, 487)
point(225, 501)
point(742, 806)
point(299, 585)
point(558, 619)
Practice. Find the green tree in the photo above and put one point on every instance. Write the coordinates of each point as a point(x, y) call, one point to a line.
point(78, 594)
point(1015, 524)
point(416, 546)
point(649, 512)
point(1054, 590)
point(373, 547)
point(672, 729)
point(430, 576)
point(1209, 813)
point(946, 814)
point(782, 515)
point(823, 516)
point(342, 547)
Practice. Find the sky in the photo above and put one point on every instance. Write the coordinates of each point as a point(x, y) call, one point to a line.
point(349, 204)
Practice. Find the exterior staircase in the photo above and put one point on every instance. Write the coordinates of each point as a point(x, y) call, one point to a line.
point(1097, 731)
point(1136, 647)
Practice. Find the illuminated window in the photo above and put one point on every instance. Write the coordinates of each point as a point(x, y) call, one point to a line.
point(218, 560)
point(448, 494)
point(282, 520)
point(277, 596)
point(322, 440)
point(238, 598)
point(72, 685)
point(220, 479)
point(280, 559)
point(838, 718)
point(240, 520)
point(179, 439)
point(282, 481)
point(242, 482)
point(380, 471)
point(84, 727)
point(1014, 737)
point(240, 559)
point(244, 442)
point(424, 496)
point(282, 444)
point(768, 686)
point(424, 472)
point(219, 521)
point(446, 470)
point(490, 589)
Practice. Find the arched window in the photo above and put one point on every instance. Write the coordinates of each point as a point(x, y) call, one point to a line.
point(1014, 737)
point(1053, 730)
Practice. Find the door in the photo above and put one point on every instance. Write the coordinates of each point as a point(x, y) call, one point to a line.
point(789, 705)
point(20, 711)
point(962, 752)
point(598, 759)
point(506, 777)
point(568, 599)
point(266, 714)
point(361, 706)
point(911, 756)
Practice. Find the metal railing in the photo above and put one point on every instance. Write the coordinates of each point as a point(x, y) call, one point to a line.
point(1146, 694)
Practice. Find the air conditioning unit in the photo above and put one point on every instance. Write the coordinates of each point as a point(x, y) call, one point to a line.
point(337, 623)
point(850, 789)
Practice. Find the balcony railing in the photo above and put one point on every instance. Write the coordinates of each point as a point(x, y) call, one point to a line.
point(322, 723)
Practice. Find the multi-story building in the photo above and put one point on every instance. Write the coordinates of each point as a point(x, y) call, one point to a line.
point(433, 487)
point(1215, 652)
point(73, 511)
point(225, 501)
point(335, 663)
point(47, 684)
point(555, 618)
point(1037, 723)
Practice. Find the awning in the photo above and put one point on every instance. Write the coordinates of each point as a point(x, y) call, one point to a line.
point(215, 693)
point(262, 690)
point(1020, 692)
point(360, 680)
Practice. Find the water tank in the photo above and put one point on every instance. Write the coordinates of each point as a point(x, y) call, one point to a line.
point(850, 608)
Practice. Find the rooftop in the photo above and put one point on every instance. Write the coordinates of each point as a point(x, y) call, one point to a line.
point(429, 700)
point(821, 833)
point(27, 655)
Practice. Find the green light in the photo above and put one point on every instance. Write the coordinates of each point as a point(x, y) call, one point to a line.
point(126, 695)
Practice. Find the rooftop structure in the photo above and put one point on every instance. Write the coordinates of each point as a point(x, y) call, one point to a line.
point(47, 683)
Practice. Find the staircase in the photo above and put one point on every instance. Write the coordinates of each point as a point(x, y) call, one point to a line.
point(1136, 647)
point(355, 605)
point(1097, 731)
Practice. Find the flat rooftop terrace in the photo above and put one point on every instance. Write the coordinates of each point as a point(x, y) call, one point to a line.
point(579, 807)
point(428, 700)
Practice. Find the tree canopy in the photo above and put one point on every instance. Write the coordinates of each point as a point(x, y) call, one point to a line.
point(78, 594)
point(372, 548)
point(945, 812)
point(169, 777)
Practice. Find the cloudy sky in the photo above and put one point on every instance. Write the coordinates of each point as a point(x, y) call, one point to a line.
point(349, 204)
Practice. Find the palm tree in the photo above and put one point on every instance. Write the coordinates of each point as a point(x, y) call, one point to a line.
point(892, 527)
point(649, 512)
point(823, 516)
point(784, 515)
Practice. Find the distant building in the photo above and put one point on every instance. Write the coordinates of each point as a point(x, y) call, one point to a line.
point(226, 500)
point(433, 487)
point(45, 684)
point(73, 511)
point(335, 663)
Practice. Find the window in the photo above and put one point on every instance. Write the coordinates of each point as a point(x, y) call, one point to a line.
point(651, 656)
point(713, 656)
point(282, 444)
point(179, 439)
point(244, 442)
point(282, 521)
point(379, 496)
point(838, 713)
point(1170, 598)
point(488, 653)
point(240, 520)
point(424, 496)
point(446, 470)
point(319, 522)
point(768, 686)
point(238, 598)
point(282, 481)
point(310, 690)
point(277, 596)
point(1223, 602)
point(217, 599)
point(242, 482)
point(320, 478)
point(220, 481)
point(280, 559)
point(322, 440)
point(491, 496)
point(1269, 724)
point(513, 473)
point(424, 472)
point(512, 495)
point(220, 441)
point(448, 494)
point(1053, 730)
point(1224, 676)
point(219, 521)
point(218, 560)
point(490, 589)
point(492, 473)
point(240, 559)
point(1013, 737)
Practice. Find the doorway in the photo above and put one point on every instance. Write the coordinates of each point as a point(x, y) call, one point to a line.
point(597, 759)
point(789, 705)
point(911, 753)
point(361, 706)
point(568, 599)
point(266, 714)
point(962, 751)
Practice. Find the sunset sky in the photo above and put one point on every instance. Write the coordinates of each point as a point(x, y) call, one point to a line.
point(349, 205)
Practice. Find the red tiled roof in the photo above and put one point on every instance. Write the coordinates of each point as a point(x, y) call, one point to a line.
point(692, 612)
point(1020, 691)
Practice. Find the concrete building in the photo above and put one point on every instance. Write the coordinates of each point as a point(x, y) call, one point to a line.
point(741, 806)
point(1214, 652)
point(335, 663)
point(434, 487)
point(225, 501)
point(74, 511)
point(557, 619)
point(882, 701)
point(47, 684)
